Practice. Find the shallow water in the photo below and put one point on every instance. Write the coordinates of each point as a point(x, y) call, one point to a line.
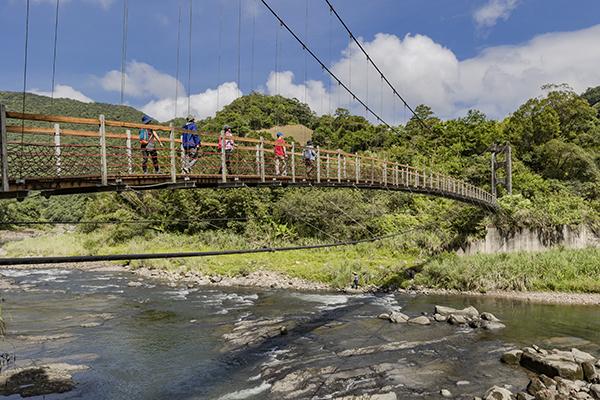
point(160, 342)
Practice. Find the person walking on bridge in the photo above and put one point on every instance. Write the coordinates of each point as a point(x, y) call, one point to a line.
point(148, 138)
point(190, 142)
point(280, 155)
point(229, 145)
point(309, 155)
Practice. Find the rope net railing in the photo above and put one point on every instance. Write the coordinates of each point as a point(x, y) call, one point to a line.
point(65, 152)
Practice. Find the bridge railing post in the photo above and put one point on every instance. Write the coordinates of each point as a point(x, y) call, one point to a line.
point(103, 161)
point(385, 171)
point(57, 148)
point(257, 160)
point(223, 159)
point(3, 148)
point(372, 171)
point(262, 159)
point(172, 155)
point(318, 164)
point(345, 169)
point(327, 167)
point(339, 166)
point(129, 156)
point(293, 162)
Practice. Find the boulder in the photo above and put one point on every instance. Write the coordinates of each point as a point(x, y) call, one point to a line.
point(524, 396)
point(134, 284)
point(384, 316)
point(512, 357)
point(492, 326)
point(486, 316)
point(595, 390)
point(497, 393)
point(535, 385)
point(39, 380)
point(398, 317)
point(456, 319)
point(465, 312)
point(589, 372)
point(445, 393)
point(551, 365)
point(582, 356)
point(440, 317)
point(422, 320)
point(546, 394)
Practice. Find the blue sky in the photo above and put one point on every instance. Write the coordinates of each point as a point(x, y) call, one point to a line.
point(459, 54)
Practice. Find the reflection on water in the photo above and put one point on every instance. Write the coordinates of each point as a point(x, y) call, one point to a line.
point(159, 342)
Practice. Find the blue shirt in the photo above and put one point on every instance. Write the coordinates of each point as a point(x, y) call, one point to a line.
point(190, 140)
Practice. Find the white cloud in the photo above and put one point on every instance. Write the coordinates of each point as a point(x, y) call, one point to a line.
point(202, 105)
point(142, 80)
point(496, 81)
point(64, 91)
point(488, 15)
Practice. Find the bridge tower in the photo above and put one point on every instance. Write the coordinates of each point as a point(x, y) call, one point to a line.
point(505, 163)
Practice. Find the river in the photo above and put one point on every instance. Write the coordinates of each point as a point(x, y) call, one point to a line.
point(159, 342)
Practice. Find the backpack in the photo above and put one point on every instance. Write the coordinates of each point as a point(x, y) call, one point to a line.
point(144, 136)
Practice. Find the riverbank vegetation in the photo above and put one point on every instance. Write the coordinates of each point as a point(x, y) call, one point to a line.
point(556, 180)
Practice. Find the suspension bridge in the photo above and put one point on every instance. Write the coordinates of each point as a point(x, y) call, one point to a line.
point(56, 154)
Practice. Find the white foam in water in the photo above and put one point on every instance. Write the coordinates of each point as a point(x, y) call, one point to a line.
point(246, 393)
point(254, 378)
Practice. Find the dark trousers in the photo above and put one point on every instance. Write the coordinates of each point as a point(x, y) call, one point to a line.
point(152, 153)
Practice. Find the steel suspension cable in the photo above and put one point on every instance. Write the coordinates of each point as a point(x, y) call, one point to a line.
point(177, 62)
point(189, 85)
point(124, 49)
point(323, 66)
point(54, 52)
point(360, 46)
point(239, 46)
point(21, 157)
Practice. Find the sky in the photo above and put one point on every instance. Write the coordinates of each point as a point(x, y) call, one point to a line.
point(453, 55)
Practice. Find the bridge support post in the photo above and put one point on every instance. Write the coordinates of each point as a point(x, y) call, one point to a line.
point(357, 168)
point(57, 148)
point(257, 160)
point(103, 162)
point(293, 162)
point(3, 148)
point(129, 158)
point(327, 168)
point(224, 159)
point(345, 169)
point(339, 166)
point(318, 164)
point(172, 153)
point(385, 171)
point(396, 178)
point(262, 159)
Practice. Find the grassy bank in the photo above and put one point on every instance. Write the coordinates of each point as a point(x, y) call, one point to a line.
point(375, 262)
point(555, 270)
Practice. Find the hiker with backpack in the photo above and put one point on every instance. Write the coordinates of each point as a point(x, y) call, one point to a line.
point(229, 145)
point(190, 143)
point(309, 155)
point(148, 139)
point(280, 154)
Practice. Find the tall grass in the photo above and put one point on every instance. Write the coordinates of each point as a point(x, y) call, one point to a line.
point(554, 270)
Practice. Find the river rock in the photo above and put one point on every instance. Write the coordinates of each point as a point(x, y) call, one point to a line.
point(456, 319)
point(595, 390)
point(384, 316)
point(249, 333)
point(582, 356)
point(398, 317)
point(589, 372)
point(535, 385)
point(445, 393)
point(439, 318)
point(465, 312)
point(39, 380)
point(486, 316)
point(512, 357)
point(497, 393)
point(524, 396)
point(134, 284)
point(547, 394)
point(557, 363)
point(422, 320)
point(492, 325)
